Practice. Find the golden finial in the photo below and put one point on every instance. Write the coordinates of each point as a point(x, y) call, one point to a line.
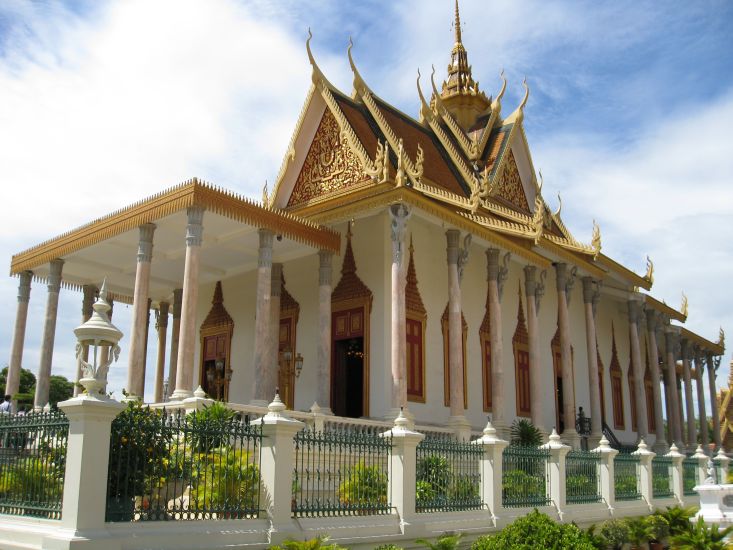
point(503, 86)
point(683, 307)
point(457, 25)
point(265, 196)
point(596, 239)
point(721, 338)
point(649, 275)
point(559, 205)
point(526, 94)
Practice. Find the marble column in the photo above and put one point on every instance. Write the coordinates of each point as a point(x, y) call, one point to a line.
point(681, 411)
point(138, 331)
point(690, 408)
point(642, 425)
point(495, 276)
point(147, 336)
point(565, 280)
point(671, 336)
point(88, 295)
point(456, 257)
point(175, 335)
point(533, 290)
point(399, 215)
point(590, 299)
point(660, 443)
point(265, 381)
point(49, 334)
point(713, 399)
point(161, 326)
point(12, 383)
point(276, 274)
point(325, 277)
point(189, 299)
point(704, 435)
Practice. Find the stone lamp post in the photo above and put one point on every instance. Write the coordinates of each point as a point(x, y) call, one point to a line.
point(97, 334)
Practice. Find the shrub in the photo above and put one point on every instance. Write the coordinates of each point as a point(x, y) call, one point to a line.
point(658, 527)
point(138, 450)
point(388, 547)
point(614, 532)
point(446, 541)
point(518, 484)
point(524, 433)
point(312, 544)
point(637, 531)
point(224, 478)
point(365, 487)
point(535, 531)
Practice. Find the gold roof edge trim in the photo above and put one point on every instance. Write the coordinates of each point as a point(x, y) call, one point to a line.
point(620, 269)
point(570, 256)
point(190, 193)
point(703, 342)
point(664, 308)
point(386, 194)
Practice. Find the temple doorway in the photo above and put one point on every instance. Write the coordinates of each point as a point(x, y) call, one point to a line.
point(348, 378)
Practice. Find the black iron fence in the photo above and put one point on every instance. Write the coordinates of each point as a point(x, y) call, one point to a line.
point(448, 475)
point(341, 471)
point(32, 463)
point(202, 465)
point(525, 479)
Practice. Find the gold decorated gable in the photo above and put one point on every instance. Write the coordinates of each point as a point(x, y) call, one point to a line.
point(510, 185)
point(329, 166)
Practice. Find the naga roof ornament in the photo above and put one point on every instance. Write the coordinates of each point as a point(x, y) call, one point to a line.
point(649, 275)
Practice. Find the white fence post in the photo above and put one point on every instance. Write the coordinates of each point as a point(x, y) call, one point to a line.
point(702, 465)
point(403, 469)
point(556, 466)
point(606, 475)
point(278, 452)
point(491, 470)
point(722, 461)
point(677, 474)
point(645, 472)
point(87, 459)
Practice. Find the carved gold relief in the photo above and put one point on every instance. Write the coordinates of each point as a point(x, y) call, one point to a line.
point(510, 185)
point(329, 165)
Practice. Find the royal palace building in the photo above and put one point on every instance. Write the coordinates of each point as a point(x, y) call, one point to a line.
point(397, 263)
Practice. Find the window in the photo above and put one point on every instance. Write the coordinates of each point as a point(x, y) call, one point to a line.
point(649, 396)
point(632, 400)
point(416, 318)
point(415, 360)
point(484, 335)
point(446, 358)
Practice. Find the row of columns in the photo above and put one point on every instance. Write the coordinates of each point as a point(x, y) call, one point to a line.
point(565, 277)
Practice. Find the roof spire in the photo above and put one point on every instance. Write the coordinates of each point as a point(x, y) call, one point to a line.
point(457, 25)
point(460, 93)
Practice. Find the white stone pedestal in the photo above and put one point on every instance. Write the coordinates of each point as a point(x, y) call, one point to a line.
point(716, 504)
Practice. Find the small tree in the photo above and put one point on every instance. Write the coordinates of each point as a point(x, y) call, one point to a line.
point(59, 389)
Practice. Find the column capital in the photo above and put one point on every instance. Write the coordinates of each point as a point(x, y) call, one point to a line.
point(161, 315)
point(455, 253)
point(496, 271)
point(565, 278)
point(177, 302)
point(325, 271)
point(399, 214)
point(24, 287)
point(634, 310)
point(264, 258)
point(530, 280)
point(276, 279)
point(651, 319)
point(54, 276)
point(145, 242)
point(195, 228)
point(685, 349)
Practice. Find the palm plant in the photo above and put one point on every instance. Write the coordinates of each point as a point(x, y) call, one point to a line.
point(524, 433)
point(702, 537)
point(678, 519)
point(317, 543)
point(446, 541)
point(637, 532)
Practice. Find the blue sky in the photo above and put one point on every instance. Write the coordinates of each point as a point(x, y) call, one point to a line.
point(629, 118)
